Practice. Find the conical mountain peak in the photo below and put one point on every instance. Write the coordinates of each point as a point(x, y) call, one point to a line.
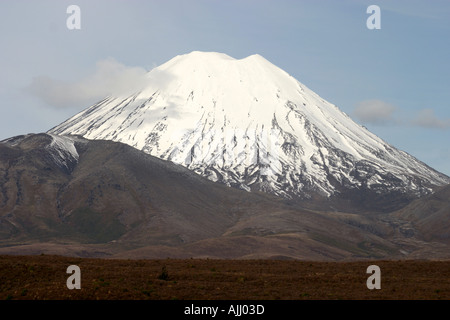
point(247, 123)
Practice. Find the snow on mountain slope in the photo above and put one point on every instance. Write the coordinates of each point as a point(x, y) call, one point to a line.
point(249, 124)
point(63, 149)
point(60, 149)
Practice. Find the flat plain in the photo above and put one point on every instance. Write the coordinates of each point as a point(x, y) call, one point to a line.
point(44, 277)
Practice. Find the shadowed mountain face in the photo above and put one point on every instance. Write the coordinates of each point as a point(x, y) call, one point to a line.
point(69, 195)
point(430, 216)
point(109, 190)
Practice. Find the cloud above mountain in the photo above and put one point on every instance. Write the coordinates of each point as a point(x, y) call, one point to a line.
point(374, 112)
point(427, 119)
point(380, 113)
point(108, 76)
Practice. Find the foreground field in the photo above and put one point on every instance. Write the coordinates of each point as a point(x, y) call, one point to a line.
point(44, 277)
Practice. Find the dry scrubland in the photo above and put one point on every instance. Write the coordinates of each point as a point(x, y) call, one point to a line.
point(44, 277)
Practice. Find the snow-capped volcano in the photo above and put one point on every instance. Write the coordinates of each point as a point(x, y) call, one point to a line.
point(247, 123)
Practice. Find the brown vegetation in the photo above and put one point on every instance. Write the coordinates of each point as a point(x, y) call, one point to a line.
point(44, 277)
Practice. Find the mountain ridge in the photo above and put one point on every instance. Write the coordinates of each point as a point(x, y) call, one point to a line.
point(249, 124)
point(116, 201)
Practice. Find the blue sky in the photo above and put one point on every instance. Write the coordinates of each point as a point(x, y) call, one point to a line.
point(395, 81)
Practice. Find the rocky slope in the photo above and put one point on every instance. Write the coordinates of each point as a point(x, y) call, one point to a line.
point(429, 216)
point(72, 196)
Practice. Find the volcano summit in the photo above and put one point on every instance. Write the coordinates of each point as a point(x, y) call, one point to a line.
point(248, 124)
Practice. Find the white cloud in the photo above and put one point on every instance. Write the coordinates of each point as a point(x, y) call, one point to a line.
point(427, 119)
point(377, 112)
point(108, 77)
point(374, 112)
